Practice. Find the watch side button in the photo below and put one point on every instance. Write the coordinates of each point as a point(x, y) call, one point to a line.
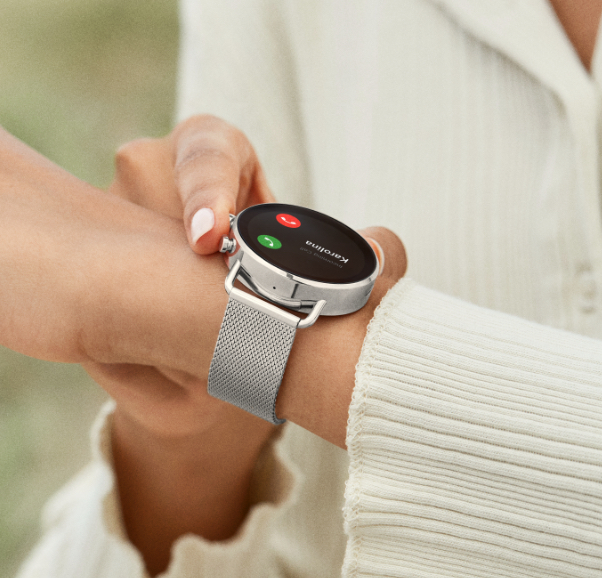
point(227, 245)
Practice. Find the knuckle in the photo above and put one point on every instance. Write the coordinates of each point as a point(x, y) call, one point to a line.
point(205, 135)
point(132, 161)
point(131, 152)
point(199, 152)
point(206, 172)
point(212, 156)
point(203, 127)
point(211, 123)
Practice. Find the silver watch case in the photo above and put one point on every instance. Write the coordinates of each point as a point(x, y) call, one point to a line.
point(294, 292)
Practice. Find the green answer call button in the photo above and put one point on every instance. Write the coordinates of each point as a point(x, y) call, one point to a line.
point(269, 241)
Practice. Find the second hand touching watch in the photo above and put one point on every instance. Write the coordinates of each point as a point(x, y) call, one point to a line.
point(300, 260)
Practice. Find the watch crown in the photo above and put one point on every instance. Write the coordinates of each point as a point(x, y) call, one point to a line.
point(227, 245)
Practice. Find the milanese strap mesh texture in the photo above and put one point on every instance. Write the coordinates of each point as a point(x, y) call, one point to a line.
point(249, 359)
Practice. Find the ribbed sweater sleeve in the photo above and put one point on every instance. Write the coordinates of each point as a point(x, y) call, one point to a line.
point(475, 441)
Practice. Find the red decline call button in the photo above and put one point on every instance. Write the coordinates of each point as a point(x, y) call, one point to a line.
point(288, 220)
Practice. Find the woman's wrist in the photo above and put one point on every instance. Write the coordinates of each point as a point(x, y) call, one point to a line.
point(318, 383)
point(196, 484)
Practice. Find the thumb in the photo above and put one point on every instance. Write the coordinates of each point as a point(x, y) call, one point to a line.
point(217, 173)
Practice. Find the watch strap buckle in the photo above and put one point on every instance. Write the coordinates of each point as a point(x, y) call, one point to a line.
point(270, 308)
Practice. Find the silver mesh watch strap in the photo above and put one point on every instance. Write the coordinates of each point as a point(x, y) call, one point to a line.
point(250, 356)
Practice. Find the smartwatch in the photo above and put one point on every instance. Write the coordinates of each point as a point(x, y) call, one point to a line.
point(292, 259)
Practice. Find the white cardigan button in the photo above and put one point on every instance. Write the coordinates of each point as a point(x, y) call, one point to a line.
point(586, 290)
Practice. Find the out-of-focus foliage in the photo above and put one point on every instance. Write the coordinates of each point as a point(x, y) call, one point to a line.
point(77, 78)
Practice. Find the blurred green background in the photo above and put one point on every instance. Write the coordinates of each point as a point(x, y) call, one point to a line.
point(77, 79)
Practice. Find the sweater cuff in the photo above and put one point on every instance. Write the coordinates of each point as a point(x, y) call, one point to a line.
point(273, 490)
point(84, 531)
point(475, 441)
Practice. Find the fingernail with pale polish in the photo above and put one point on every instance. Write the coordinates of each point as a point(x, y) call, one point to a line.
point(380, 254)
point(202, 222)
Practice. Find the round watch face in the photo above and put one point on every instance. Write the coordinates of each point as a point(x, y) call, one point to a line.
point(306, 243)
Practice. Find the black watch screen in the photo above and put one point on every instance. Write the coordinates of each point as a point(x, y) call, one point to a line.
point(306, 243)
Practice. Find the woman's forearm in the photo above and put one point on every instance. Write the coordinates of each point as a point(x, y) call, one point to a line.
point(88, 277)
point(320, 376)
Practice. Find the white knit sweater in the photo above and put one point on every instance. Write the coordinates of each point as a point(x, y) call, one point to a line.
point(471, 129)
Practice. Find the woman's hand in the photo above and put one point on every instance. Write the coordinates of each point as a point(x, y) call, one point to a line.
point(201, 173)
point(88, 277)
point(181, 456)
point(73, 259)
point(206, 163)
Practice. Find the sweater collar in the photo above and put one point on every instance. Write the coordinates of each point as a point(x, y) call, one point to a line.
point(529, 33)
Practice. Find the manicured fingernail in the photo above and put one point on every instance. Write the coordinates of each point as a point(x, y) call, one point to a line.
point(380, 254)
point(202, 222)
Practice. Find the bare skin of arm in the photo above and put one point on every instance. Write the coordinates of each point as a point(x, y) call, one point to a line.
point(167, 478)
point(88, 277)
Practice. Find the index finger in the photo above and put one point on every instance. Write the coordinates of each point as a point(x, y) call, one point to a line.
point(217, 173)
